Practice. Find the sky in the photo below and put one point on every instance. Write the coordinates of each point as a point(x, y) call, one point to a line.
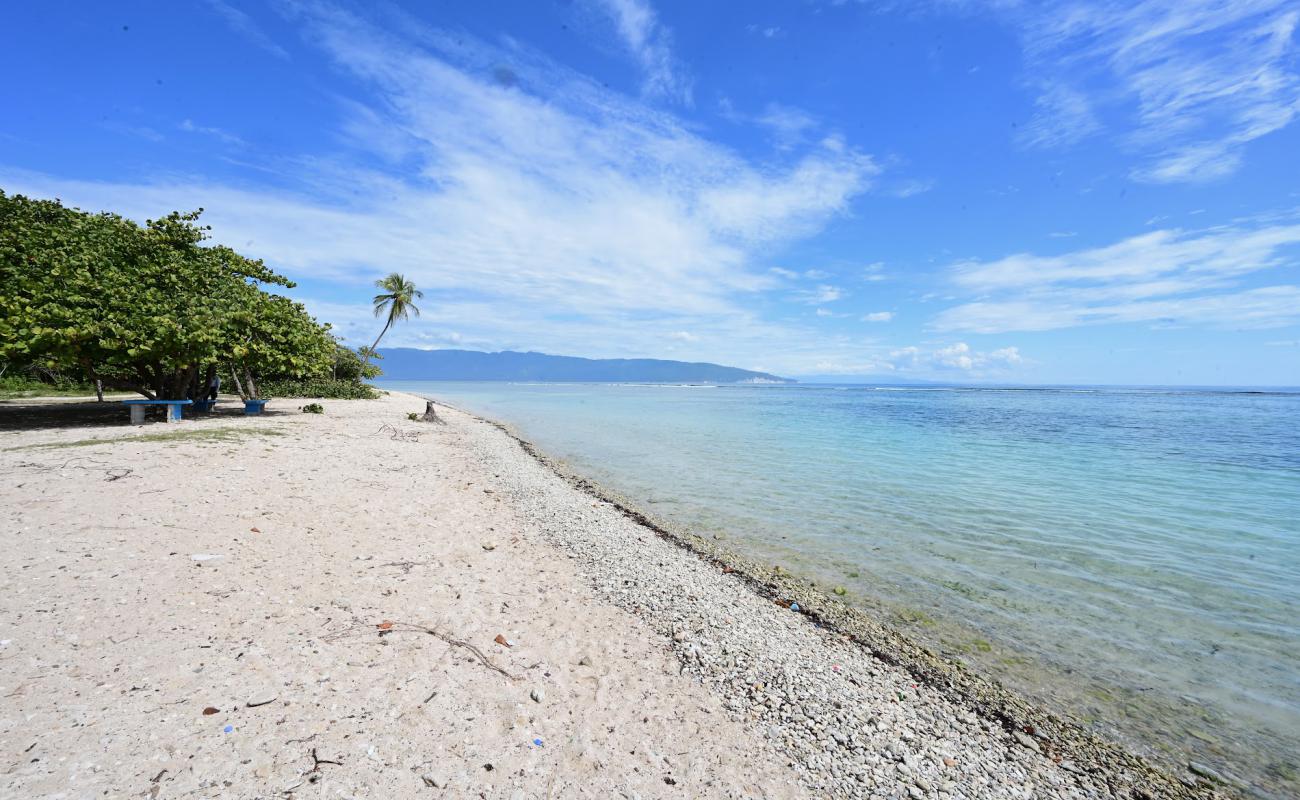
point(964, 191)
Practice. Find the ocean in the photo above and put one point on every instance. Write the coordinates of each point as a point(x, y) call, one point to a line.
point(1130, 557)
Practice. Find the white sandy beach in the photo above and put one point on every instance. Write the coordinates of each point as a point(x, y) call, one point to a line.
point(247, 564)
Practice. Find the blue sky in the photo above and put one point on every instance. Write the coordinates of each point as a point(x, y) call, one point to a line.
point(962, 191)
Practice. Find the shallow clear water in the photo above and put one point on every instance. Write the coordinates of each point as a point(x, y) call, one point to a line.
point(1130, 555)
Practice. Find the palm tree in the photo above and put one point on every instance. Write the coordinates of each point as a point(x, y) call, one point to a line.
point(397, 301)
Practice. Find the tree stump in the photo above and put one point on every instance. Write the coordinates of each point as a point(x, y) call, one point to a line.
point(430, 415)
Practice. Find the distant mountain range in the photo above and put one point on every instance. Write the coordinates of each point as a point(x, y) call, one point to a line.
point(404, 363)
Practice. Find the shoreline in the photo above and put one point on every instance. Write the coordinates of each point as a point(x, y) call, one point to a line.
point(1030, 725)
point(637, 655)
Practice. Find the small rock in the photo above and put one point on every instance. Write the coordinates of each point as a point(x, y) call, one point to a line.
point(489, 546)
point(1211, 774)
point(1025, 740)
point(261, 699)
point(205, 557)
point(537, 694)
point(585, 661)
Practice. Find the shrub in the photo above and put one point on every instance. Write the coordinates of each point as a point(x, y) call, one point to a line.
point(318, 387)
point(412, 416)
point(25, 385)
point(313, 408)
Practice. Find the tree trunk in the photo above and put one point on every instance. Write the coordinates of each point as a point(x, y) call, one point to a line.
point(252, 387)
point(99, 390)
point(208, 375)
point(371, 351)
point(239, 387)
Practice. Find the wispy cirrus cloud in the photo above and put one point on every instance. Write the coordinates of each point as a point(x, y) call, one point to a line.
point(1187, 84)
point(244, 25)
point(1167, 277)
point(189, 126)
point(1062, 116)
point(649, 42)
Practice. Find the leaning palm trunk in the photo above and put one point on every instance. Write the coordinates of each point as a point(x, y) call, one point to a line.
point(371, 351)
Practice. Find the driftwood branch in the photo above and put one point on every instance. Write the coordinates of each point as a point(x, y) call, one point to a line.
point(397, 434)
point(388, 628)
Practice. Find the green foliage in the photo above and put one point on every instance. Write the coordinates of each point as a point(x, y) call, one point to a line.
point(313, 408)
point(41, 383)
point(398, 299)
point(144, 308)
point(350, 366)
point(325, 388)
point(412, 416)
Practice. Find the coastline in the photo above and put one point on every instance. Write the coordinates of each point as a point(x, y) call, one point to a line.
point(698, 666)
point(1028, 724)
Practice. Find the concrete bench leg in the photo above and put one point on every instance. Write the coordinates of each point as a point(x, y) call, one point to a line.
point(137, 415)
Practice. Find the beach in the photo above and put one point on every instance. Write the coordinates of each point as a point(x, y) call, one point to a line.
point(357, 604)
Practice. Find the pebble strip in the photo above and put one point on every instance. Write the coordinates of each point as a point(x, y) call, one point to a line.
point(860, 711)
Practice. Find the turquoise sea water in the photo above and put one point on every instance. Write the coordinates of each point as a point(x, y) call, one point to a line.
point(1131, 556)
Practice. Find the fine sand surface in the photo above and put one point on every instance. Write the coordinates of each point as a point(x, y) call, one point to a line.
point(334, 589)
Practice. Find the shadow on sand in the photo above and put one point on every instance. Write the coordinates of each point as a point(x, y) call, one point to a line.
point(43, 413)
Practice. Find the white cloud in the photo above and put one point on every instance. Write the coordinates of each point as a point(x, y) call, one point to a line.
point(217, 133)
point(1188, 82)
point(766, 31)
point(789, 125)
point(244, 25)
point(958, 356)
point(650, 43)
point(879, 316)
point(548, 213)
point(683, 336)
point(824, 293)
point(1165, 276)
point(1062, 116)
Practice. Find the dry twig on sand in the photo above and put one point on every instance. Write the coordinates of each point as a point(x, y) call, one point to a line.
point(393, 627)
point(112, 473)
point(397, 434)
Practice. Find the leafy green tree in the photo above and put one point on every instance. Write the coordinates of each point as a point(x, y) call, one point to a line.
point(349, 365)
point(145, 308)
point(398, 300)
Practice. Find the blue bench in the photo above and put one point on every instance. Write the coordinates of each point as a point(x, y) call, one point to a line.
point(173, 409)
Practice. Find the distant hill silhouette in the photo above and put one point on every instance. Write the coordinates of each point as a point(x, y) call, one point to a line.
point(404, 363)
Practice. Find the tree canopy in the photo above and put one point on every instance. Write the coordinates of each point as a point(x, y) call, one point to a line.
point(148, 308)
